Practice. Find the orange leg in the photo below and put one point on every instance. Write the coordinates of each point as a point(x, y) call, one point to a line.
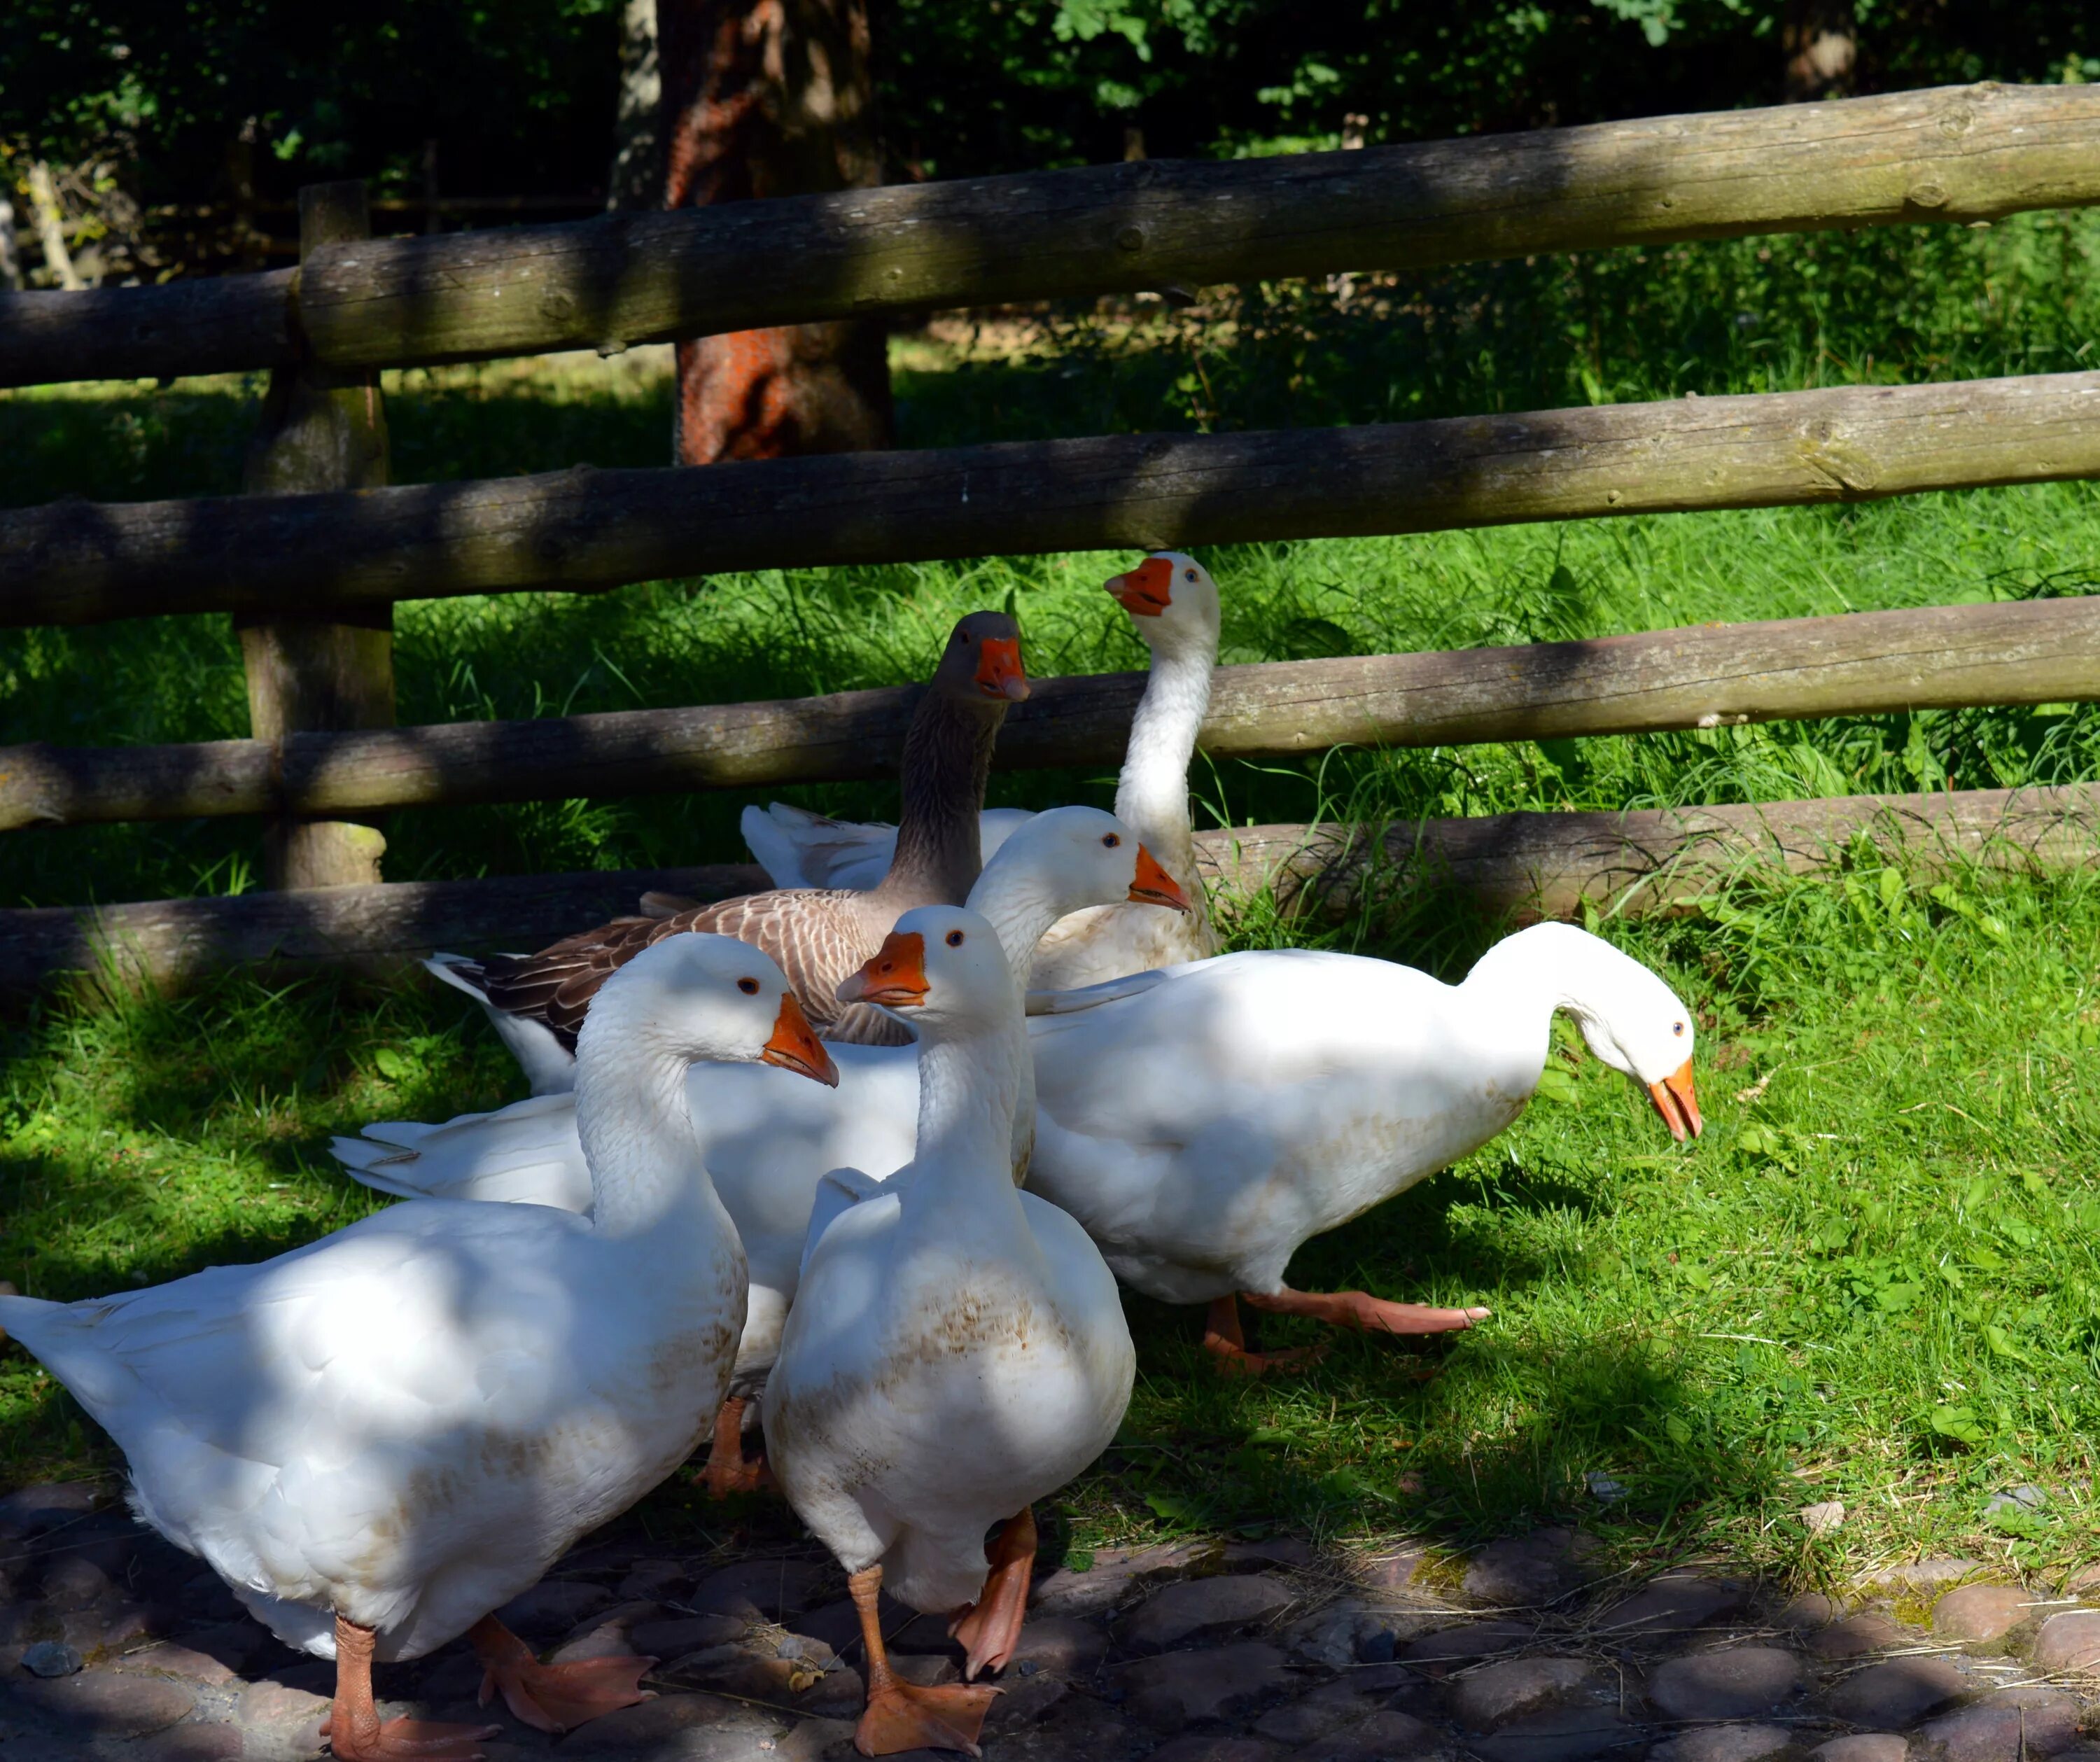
point(1222, 1338)
point(355, 1731)
point(1367, 1314)
point(901, 1716)
point(990, 1627)
point(727, 1472)
point(555, 1698)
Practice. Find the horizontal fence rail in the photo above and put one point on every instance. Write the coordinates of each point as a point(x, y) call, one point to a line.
point(1961, 153)
point(1711, 675)
point(1527, 864)
point(81, 563)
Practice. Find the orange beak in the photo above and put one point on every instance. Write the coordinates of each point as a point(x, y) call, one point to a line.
point(1154, 886)
point(896, 977)
point(1000, 671)
point(795, 1045)
point(1675, 1102)
point(1147, 590)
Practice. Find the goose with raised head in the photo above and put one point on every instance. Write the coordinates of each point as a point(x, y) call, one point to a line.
point(1209, 1121)
point(820, 936)
point(766, 1141)
point(957, 1349)
point(377, 1439)
point(1173, 605)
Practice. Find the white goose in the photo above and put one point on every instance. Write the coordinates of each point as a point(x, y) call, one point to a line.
point(1213, 1117)
point(765, 1141)
point(1173, 603)
point(381, 1436)
point(957, 1349)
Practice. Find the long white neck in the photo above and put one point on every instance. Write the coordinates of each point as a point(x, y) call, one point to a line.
point(969, 1087)
point(1525, 978)
point(1152, 795)
point(646, 1165)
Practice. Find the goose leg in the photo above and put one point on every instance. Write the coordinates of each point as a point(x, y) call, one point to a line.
point(356, 1733)
point(1222, 1338)
point(990, 1628)
point(727, 1472)
point(1365, 1314)
point(554, 1697)
point(901, 1716)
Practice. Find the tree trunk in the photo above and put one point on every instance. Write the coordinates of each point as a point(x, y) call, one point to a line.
point(637, 178)
point(1820, 41)
point(765, 98)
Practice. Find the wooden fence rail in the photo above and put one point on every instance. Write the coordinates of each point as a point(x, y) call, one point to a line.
point(81, 563)
point(1945, 656)
point(1527, 864)
point(1961, 154)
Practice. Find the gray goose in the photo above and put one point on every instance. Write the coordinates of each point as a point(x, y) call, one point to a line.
point(818, 936)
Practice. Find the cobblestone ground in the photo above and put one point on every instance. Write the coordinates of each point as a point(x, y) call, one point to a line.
point(114, 1645)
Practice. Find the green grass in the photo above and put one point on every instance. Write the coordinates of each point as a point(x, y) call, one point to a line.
point(1873, 1279)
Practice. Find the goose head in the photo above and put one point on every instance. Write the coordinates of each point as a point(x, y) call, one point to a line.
point(1172, 602)
point(1071, 858)
point(942, 968)
point(981, 662)
point(694, 997)
point(1635, 1023)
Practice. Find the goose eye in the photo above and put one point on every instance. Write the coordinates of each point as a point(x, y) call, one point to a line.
point(1677, 1028)
point(1110, 840)
point(954, 938)
point(749, 988)
point(1188, 575)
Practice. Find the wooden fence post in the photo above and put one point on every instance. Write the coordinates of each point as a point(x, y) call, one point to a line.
point(322, 667)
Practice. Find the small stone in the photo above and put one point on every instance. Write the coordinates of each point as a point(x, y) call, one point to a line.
point(551, 1606)
point(277, 1709)
point(2069, 1641)
point(636, 1730)
point(1811, 1609)
point(2016, 1499)
point(684, 1634)
point(1382, 1738)
point(37, 1510)
point(1389, 1574)
point(105, 1704)
point(1197, 1607)
point(1518, 1571)
point(2010, 1726)
point(1569, 1734)
point(1476, 1639)
point(1061, 1643)
point(1726, 1684)
point(654, 1581)
point(1675, 1603)
point(1169, 1691)
point(776, 1589)
point(1329, 1638)
point(72, 1581)
point(1297, 1723)
point(50, 1658)
point(2085, 1578)
point(167, 1659)
point(1856, 1636)
point(1026, 1700)
point(1977, 1613)
point(1925, 1575)
point(1863, 1746)
point(1723, 1743)
point(1896, 1692)
point(196, 1742)
point(1823, 1518)
point(1380, 1647)
point(1115, 1574)
point(1603, 1488)
point(124, 1625)
point(1493, 1695)
point(1199, 1747)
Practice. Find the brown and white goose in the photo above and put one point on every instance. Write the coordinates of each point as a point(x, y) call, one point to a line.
point(818, 936)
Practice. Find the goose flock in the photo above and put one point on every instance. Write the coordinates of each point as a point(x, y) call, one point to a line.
point(841, 1177)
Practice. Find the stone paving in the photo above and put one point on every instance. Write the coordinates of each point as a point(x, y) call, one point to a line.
point(114, 1645)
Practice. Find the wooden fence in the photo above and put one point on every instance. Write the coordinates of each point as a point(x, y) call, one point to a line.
point(312, 560)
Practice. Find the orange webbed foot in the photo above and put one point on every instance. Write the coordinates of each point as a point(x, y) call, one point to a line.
point(727, 1472)
point(409, 1740)
point(990, 1628)
point(558, 1697)
point(901, 1716)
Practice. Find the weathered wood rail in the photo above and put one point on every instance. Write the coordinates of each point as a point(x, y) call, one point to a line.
point(1938, 657)
point(1526, 864)
point(82, 562)
point(1959, 153)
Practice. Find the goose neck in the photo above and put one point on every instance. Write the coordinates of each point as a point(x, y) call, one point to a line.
point(1526, 978)
point(1152, 795)
point(969, 1087)
point(646, 1165)
point(948, 758)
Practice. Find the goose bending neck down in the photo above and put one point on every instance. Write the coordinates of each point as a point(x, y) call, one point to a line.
point(1204, 1126)
point(957, 1349)
point(381, 1436)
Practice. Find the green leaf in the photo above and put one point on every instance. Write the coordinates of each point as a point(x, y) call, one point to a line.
point(1960, 1425)
point(1555, 1084)
point(2001, 1343)
point(392, 1065)
point(1680, 1433)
